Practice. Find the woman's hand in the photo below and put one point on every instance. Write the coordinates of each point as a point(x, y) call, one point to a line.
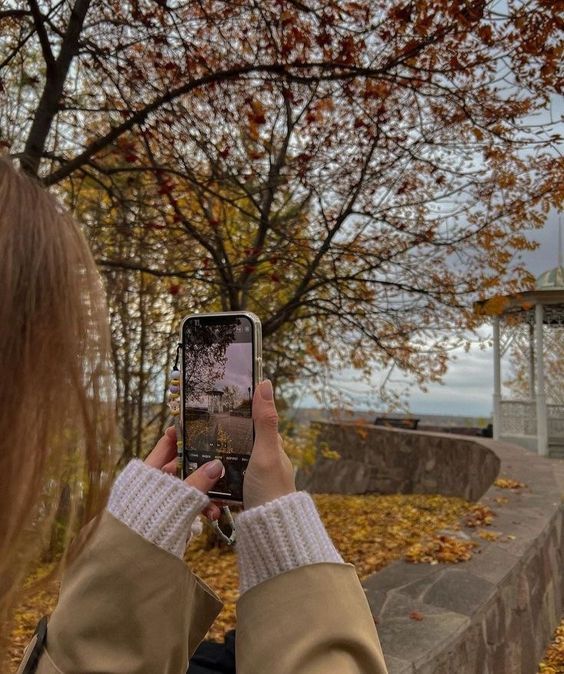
point(270, 473)
point(163, 457)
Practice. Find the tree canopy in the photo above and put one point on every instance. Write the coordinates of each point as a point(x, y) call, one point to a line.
point(357, 173)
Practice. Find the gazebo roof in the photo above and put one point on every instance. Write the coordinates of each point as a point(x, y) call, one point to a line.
point(553, 279)
point(548, 291)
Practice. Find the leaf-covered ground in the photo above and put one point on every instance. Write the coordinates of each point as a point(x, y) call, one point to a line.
point(553, 661)
point(33, 607)
point(369, 531)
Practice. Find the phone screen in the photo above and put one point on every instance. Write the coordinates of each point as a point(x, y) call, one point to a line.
point(217, 397)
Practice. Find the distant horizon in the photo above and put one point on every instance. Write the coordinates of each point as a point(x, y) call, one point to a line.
point(396, 413)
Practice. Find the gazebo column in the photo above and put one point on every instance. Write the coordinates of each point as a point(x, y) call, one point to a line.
point(542, 430)
point(497, 380)
point(531, 362)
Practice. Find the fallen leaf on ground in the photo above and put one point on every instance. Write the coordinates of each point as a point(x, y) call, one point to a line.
point(553, 661)
point(478, 515)
point(501, 500)
point(508, 483)
point(440, 549)
point(489, 535)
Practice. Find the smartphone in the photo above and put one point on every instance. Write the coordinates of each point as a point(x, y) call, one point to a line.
point(221, 366)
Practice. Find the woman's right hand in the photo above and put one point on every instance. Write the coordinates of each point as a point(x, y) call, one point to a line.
point(269, 474)
point(163, 457)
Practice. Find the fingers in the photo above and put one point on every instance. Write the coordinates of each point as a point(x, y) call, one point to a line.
point(205, 477)
point(164, 458)
point(265, 417)
point(171, 467)
point(212, 512)
point(164, 451)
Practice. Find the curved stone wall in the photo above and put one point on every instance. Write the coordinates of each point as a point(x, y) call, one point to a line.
point(493, 614)
point(389, 461)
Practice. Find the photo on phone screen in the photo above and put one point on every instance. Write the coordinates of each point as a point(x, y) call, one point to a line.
point(218, 362)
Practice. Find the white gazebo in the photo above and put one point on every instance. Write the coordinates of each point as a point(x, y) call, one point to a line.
point(215, 401)
point(531, 422)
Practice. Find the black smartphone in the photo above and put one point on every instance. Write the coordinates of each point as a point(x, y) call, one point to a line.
point(221, 366)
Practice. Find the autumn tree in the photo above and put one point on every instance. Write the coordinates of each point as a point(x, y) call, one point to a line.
point(205, 358)
point(144, 311)
point(355, 172)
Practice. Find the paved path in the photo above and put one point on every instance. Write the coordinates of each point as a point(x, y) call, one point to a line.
point(559, 473)
point(233, 433)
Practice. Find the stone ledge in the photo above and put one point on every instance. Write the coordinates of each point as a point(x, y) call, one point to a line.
point(382, 460)
point(495, 613)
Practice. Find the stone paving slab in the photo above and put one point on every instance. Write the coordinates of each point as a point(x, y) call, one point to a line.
point(406, 638)
point(493, 564)
point(454, 589)
point(399, 574)
point(376, 600)
point(398, 666)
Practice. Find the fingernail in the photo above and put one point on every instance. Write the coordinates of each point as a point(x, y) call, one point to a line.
point(266, 392)
point(213, 468)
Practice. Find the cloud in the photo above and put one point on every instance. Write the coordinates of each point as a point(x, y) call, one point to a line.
point(467, 387)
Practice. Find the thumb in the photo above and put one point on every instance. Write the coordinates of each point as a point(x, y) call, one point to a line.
point(164, 451)
point(205, 477)
point(265, 415)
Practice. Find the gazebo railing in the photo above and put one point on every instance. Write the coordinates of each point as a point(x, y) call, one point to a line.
point(518, 417)
point(555, 414)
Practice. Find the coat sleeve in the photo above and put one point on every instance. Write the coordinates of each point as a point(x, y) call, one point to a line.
point(314, 619)
point(126, 605)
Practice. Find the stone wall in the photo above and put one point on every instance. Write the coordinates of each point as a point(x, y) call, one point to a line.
point(389, 461)
point(493, 614)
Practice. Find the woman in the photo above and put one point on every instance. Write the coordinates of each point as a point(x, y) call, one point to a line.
point(128, 602)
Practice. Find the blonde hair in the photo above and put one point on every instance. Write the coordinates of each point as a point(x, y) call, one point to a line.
point(56, 403)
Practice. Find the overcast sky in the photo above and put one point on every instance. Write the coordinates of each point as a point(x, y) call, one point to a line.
point(468, 385)
point(239, 367)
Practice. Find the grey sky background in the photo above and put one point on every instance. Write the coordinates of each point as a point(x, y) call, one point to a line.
point(238, 371)
point(467, 387)
point(239, 368)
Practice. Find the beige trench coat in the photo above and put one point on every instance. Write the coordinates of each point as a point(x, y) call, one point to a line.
point(126, 605)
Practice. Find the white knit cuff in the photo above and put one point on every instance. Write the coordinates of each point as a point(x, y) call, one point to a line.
point(158, 506)
point(280, 536)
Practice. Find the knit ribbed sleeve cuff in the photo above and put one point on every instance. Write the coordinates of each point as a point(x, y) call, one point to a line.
point(158, 506)
point(280, 536)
